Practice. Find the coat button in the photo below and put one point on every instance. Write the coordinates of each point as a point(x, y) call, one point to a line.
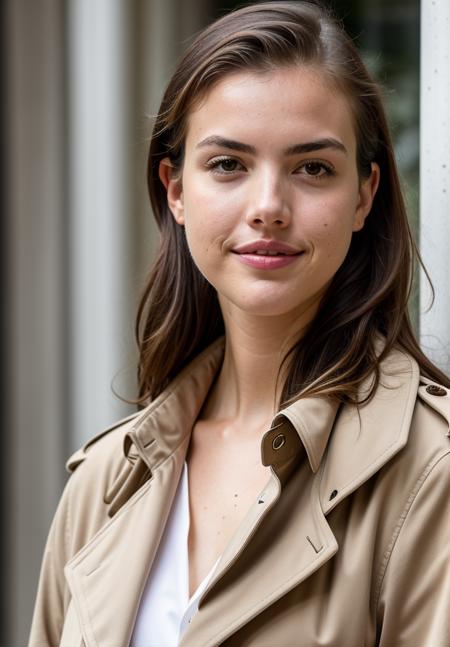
point(434, 389)
point(278, 441)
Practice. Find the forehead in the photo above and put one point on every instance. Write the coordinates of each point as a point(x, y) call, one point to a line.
point(293, 102)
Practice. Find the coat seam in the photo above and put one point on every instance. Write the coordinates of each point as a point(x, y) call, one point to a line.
point(81, 555)
point(401, 521)
point(68, 513)
point(73, 599)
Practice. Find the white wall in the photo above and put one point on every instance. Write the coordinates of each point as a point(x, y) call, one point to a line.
point(434, 178)
point(100, 86)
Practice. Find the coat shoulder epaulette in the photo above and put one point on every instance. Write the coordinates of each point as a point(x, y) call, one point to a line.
point(436, 396)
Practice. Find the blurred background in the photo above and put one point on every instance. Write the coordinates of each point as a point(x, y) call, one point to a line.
point(81, 80)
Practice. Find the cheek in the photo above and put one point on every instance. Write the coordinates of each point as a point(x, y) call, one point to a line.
point(331, 227)
point(208, 219)
point(204, 236)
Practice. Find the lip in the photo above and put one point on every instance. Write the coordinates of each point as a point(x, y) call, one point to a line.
point(266, 245)
point(267, 262)
point(247, 254)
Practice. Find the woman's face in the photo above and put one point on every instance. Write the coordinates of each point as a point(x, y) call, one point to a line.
point(269, 192)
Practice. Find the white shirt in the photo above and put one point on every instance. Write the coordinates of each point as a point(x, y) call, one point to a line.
point(165, 609)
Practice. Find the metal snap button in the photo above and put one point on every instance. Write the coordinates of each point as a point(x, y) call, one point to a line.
point(434, 389)
point(278, 441)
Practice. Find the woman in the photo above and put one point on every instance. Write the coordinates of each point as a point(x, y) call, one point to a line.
point(287, 481)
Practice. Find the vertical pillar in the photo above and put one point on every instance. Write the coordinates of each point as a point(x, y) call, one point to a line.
point(435, 178)
point(100, 149)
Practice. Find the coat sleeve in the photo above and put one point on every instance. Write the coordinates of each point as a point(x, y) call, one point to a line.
point(53, 595)
point(414, 598)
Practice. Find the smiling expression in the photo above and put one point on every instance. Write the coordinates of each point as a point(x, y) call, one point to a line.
point(269, 192)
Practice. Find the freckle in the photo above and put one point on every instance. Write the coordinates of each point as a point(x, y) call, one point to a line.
point(223, 517)
point(235, 495)
point(205, 507)
point(235, 505)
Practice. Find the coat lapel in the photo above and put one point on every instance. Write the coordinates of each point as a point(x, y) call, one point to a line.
point(107, 576)
point(292, 542)
point(297, 540)
point(365, 440)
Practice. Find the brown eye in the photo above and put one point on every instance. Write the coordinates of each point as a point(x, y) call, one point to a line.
point(314, 168)
point(224, 165)
point(228, 165)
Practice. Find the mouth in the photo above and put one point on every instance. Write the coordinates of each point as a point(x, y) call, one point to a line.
point(267, 248)
point(267, 255)
point(268, 252)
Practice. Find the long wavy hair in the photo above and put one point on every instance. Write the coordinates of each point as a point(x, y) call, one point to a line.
point(367, 300)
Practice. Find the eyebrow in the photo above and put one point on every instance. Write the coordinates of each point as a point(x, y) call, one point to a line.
point(296, 149)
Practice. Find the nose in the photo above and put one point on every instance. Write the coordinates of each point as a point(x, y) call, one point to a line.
point(268, 204)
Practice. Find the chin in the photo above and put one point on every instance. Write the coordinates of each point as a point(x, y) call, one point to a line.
point(257, 307)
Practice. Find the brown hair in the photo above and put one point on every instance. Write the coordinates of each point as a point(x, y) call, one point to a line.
point(179, 313)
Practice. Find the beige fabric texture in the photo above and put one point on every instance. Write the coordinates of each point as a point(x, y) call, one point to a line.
point(348, 545)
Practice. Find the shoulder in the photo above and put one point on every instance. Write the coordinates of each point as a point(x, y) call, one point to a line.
point(430, 423)
point(418, 478)
point(427, 452)
point(425, 404)
point(417, 550)
point(435, 401)
point(97, 470)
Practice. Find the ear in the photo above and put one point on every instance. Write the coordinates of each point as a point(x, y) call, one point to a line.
point(171, 178)
point(367, 191)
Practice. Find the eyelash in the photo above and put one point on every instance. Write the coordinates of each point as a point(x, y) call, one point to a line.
point(215, 163)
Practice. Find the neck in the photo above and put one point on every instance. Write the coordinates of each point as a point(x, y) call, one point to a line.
point(250, 382)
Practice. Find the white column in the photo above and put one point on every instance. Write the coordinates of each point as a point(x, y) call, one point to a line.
point(434, 178)
point(100, 148)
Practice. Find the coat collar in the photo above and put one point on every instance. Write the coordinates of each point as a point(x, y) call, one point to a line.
point(169, 419)
point(366, 438)
point(344, 446)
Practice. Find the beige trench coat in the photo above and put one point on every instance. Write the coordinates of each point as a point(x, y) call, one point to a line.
point(348, 545)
